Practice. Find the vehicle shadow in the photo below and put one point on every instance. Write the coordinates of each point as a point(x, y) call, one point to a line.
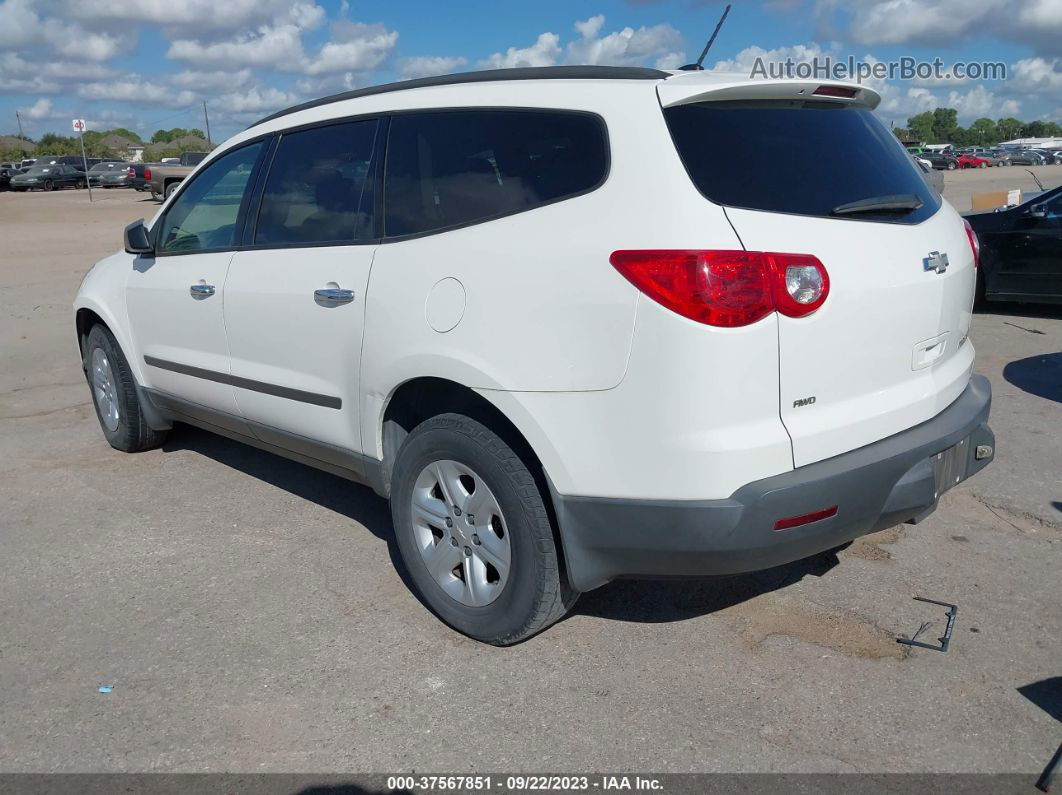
point(352, 500)
point(1038, 375)
point(1018, 310)
point(662, 601)
point(647, 601)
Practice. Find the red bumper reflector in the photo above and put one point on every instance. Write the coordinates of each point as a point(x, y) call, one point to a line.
point(807, 518)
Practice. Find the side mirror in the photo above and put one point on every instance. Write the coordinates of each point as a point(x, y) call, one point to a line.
point(137, 239)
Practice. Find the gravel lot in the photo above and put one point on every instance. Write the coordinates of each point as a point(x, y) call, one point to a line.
point(248, 612)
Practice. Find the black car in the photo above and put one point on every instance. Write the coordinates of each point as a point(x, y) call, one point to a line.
point(109, 174)
point(1026, 157)
point(942, 160)
point(1021, 250)
point(7, 171)
point(136, 175)
point(49, 177)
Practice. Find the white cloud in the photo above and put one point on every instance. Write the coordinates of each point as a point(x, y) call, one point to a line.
point(268, 46)
point(428, 65)
point(626, 47)
point(353, 47)
point(1037, 76)
point(73, 41)
point(41, 109)
point(544, 52)
point(256, 100)
point(979, 101)
point(206, 82)
point(1036, 23)
point(198, 14)
point(19, 23)
point(133, 88)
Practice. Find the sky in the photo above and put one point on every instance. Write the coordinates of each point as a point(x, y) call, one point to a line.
point(149, 64)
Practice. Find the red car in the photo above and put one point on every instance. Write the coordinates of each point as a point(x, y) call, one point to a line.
point(973, 161)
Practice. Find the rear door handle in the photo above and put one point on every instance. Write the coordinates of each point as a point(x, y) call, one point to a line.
point(333, 296)
point(201, 290)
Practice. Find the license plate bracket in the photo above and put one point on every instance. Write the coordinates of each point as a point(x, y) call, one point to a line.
point(949, 467)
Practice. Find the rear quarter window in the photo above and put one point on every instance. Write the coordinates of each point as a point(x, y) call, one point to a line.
point(802, 158)
point(446, 169)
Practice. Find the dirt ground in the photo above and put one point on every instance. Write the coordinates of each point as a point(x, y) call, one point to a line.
point(249, 616)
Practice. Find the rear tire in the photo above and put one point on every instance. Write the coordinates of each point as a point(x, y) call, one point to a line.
point(951, 166)
point(49, 185)
point(446, 462)
point(170, 189)
point(114, 394)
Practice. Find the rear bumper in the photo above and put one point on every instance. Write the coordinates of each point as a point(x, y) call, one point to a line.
point(882, 484)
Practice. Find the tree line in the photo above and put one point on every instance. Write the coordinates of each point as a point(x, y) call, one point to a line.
point(163, 143)
point(941, 126)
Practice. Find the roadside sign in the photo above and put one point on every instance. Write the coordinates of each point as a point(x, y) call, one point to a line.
point(79, 125)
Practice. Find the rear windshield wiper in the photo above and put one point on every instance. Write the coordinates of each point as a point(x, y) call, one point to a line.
point(898, 203)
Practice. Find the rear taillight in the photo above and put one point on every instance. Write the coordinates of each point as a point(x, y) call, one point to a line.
point(131, 172)
point(147, 174)
point(975, 244)
point(727, 288)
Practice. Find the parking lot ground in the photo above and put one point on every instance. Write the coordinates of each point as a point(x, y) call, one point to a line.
point(961, 185)
point(249, 616)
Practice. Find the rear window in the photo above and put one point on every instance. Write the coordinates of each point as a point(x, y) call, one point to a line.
point(451, 168)
point(803, 158)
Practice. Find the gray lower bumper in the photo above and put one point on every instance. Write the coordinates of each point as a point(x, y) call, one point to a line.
point(874, 487)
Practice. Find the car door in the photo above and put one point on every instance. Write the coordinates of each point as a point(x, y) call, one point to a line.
point(1030, 251)
point(175, 297)
point(295, 296)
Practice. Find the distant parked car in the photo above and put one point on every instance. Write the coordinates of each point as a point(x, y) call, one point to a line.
point(1026, 157)
point(1021, 250)
point(973, 161)
point(933, 178)
point(109, 175)
point(164, 178)
point(1050, 156)
point(7, 171)
point(49, 177)
point(28, 161)
point(941, 160)
point(138, 175)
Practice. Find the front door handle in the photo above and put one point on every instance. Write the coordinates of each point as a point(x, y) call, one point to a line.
point(201, 290)
point(332, 295)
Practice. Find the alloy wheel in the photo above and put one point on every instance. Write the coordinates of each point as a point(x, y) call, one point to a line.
point(104, 389)
point(461, 533)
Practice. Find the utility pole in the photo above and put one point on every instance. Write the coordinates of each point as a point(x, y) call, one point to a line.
point(207, 119)
point(19, 118)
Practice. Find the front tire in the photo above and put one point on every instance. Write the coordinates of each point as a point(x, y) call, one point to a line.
point(951, 166)
point(114, 394)
point(474, 532)
point(49, 185)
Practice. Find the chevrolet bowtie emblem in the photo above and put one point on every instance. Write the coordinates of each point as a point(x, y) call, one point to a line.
point(935, 262)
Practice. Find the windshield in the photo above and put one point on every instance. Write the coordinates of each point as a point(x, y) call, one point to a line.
point(109, 167)
point(847, 155)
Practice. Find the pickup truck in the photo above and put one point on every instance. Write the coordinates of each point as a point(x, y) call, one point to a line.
point(162, 178)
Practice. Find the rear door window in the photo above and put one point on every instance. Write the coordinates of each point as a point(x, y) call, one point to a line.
point(804, 158)
point(320, 187)
point(451, 168)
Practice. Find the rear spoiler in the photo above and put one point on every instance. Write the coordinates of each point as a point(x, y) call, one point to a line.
point(682, 88)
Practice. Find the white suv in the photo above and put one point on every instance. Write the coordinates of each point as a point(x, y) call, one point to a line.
point(576, 323)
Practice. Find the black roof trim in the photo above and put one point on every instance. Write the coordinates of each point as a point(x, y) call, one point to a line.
point(485, 76)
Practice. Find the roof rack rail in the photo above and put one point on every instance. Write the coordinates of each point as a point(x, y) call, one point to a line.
point(485, 76)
